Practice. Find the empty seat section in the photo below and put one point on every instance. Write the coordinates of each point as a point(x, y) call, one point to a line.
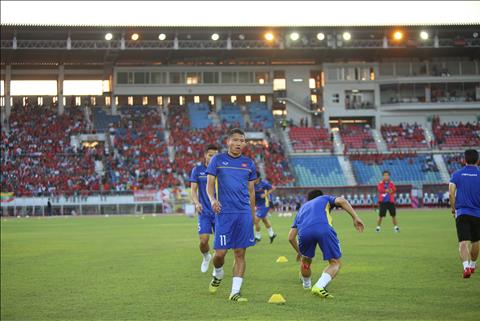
point(318, 171)
point(409, 170)
point(259, 114)
point(199, 115)
point(231, 114)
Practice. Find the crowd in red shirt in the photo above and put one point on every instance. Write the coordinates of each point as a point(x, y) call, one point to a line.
point(140, 157)
point(37, 157)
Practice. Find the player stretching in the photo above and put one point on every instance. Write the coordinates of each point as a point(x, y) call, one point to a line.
point(206, 217)
point(464, 191)
point(386, 198)
point(262, 200)
point(230, 188)
point(313, 224)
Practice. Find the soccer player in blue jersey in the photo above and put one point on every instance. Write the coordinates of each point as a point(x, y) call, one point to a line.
point(206, 217)
point(464, 189)
point(230, 188)
point(313, 225)
point(262, 200)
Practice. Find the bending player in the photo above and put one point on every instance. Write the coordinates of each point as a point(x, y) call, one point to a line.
point(262, 200)
point(230, 188)
point(313, 224)
point(206, 217)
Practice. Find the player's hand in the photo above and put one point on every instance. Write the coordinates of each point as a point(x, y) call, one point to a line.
point(199, 208)
point(299, 257)
point(453, 212)
point(357, 222)
point(216, 206)
point(262, 196)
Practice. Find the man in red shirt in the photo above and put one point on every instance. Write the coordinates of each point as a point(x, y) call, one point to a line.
point(386, 199)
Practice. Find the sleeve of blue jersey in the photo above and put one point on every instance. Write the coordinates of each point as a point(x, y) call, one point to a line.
point(212, 166)
point(268, 186)
point(253, 171)
point(331, 200)
point(454, 178)
point(294, 225)
point(193, 175)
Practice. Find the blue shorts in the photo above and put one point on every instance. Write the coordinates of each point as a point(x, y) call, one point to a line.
point(326, 238)
point(206, 223)
point(233, 231)
point(261, 211)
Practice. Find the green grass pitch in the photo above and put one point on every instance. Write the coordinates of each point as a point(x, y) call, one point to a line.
point(129, 268)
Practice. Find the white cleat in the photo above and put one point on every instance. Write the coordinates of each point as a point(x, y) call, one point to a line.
point(205, 263)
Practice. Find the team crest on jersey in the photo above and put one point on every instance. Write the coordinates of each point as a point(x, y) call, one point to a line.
point(244, 165)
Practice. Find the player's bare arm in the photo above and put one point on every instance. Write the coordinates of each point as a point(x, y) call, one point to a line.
point(251, 192)
point(195, 200)
point(216, 206)
point(357, 222)
point(452, 190)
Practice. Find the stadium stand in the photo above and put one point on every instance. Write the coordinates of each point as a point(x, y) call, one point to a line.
point(37, 157)
point(259, 114)
point(404, 136)
point(140, 157)
point(406, 168)
point(455, 135)
point(318, 171)
point(357, 137)
point(199, 115)
point(231, 114)
point(306, 139)
point(102, 120)
point(277, 167)
point(454, 162)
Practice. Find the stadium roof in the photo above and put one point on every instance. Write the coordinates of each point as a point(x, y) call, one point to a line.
point(240, 13)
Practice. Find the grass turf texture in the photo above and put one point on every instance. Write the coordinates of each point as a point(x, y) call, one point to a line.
point(128, 268)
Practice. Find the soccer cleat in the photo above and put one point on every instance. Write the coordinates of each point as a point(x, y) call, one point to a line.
point(214, 284)
point(307, 287)
point(396, 229)
point(205, 263)
point(257, 239)
point(272, 238)
point(237, 297)
point(321, 292)
point(467, 273)
point(377, 229)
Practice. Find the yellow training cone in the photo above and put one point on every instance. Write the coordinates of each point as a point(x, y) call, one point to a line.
point(282, 259)
point(277, 299)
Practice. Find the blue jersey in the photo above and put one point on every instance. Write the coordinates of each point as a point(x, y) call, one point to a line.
point(232, 177)
point(467, 199)
point(315, 212)
point(260, 189)
point(199, 176)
